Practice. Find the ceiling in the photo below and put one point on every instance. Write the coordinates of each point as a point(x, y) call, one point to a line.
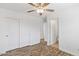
point(19, 7)
point(24, 7)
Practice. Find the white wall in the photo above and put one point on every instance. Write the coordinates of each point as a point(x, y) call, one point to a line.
point(22, 30)
point(68, 27)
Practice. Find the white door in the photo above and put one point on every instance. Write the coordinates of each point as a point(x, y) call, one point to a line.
point(53, 30)
point(50, 31)
point(13, 34)
point(3, 35)
point(29, 32)
point(24, 33)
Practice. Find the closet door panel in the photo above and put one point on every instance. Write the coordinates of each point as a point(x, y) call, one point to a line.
point(13, 32)
point(29, 32)
point(35, 35)
point(24, 33)
point(3, 35)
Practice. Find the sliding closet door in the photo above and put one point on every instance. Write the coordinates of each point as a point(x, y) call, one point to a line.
point(35, 32)
point(13, 34)
point(3, 35)
point(24, 33)
point(29, 31)
point(52, 32)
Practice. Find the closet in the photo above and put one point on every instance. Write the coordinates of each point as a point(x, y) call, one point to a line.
point(16, 33)
point(29, 31)
point(9, 34)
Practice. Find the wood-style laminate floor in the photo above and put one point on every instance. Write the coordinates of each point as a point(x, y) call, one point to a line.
point(40, 49)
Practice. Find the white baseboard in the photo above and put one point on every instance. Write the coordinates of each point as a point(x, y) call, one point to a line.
point(3, 52)
point(74, 53)
point(52, 42)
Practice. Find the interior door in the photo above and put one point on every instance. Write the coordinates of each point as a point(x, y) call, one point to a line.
point(53, 31)
point(3, 35)
point(24, 33)
point(29, 31)
point(13, 33)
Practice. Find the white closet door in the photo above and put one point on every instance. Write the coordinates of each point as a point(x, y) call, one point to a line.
point(35, 35)
point(29, 31)
point(24, 33)
point(35, 32)
point(13, 34)
point(3, 35)
point(52, 32)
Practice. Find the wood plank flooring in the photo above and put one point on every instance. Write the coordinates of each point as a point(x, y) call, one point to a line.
point(40, 49)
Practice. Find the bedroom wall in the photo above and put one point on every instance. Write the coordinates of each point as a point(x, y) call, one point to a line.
point(18, 30)
point(9, 34)
point(68, 27)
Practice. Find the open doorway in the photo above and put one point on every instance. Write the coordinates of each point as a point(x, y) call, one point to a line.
point(54, 33)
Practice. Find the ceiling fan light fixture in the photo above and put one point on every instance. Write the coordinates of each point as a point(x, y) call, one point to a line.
point(39, 10)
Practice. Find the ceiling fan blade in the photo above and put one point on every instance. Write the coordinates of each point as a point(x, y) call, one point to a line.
point(50, 10)
point(39, 4)
point(32, 4)
point(45, 4)
point(30, 10)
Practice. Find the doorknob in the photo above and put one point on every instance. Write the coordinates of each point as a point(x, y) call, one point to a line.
point(6, 35)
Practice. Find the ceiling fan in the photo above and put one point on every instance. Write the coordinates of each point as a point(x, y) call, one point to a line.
point(40, 8)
